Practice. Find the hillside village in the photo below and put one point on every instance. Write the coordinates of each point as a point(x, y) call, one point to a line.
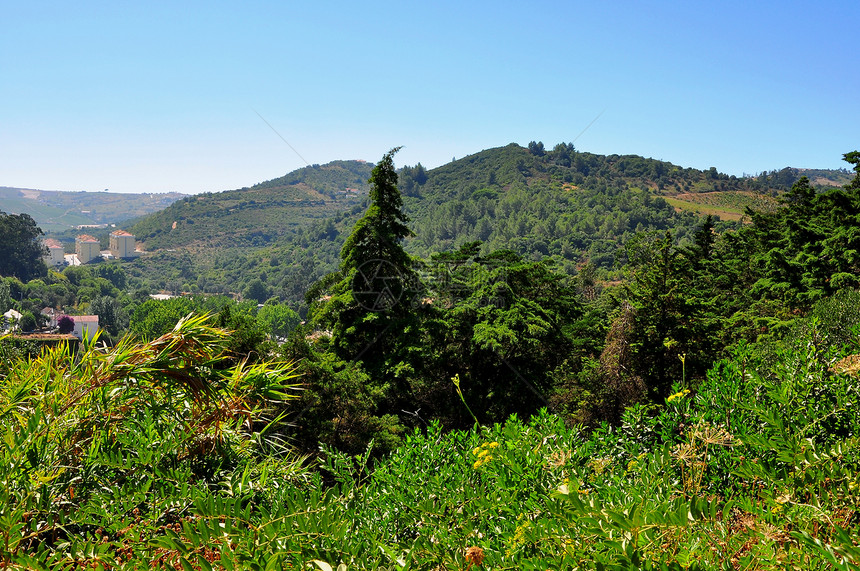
point(122, 245)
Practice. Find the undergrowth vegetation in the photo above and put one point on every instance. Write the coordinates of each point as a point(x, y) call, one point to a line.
point(154, 454)
point(103, 449)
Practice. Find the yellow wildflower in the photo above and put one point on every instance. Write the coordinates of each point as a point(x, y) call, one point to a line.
point(481, 461)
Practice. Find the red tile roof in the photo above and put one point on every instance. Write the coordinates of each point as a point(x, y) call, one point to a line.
point(121, 233)
point(51, 243)
point(86, 238)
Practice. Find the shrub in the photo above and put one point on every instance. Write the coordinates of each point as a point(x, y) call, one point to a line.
point(65, 324)
point(111, 449)
point(27, 322)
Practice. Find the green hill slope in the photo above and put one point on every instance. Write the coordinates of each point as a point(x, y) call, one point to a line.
point(257, 216)
point(572, 206)
point(575, 206)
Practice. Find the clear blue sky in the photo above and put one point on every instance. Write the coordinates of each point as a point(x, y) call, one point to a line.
point(163, 96)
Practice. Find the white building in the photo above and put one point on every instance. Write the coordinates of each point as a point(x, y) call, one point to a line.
point(122, 244)
point(87, 248)
point(51, 315)
point(85, 325)
point(11, 319)
point(55, 253)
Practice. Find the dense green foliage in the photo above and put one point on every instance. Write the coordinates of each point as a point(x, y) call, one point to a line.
point(391, 332)
point(22, 247)
point(149, 455)
point(251, 327)
point(116, 438)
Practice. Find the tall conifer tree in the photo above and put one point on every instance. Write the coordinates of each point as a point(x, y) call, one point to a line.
point(371, 291)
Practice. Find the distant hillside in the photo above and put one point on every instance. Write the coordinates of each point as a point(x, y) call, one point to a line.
point(260, 215)
point(576, 208)
point(57, 211)
point(784, 178)
point(331, 179)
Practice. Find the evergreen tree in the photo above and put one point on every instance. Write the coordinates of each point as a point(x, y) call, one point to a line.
point(537, 148)
point(372, 290)
point(366, 306)
point(378, 234)
point(670, 314)
point(703, 241)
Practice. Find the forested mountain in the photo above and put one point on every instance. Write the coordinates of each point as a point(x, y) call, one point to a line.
point(575, 207)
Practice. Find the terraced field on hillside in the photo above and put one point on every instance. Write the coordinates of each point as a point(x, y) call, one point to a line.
point(728, 205)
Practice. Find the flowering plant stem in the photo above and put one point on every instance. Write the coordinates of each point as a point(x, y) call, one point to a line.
point(456, 380)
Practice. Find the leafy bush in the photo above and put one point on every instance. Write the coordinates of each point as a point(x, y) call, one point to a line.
point(65, 324)
point(27, 322)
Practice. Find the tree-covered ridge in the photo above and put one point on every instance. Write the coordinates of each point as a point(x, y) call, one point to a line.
point(574, 207)
point(329, 179)
point(785, 178)
point(507, 165)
